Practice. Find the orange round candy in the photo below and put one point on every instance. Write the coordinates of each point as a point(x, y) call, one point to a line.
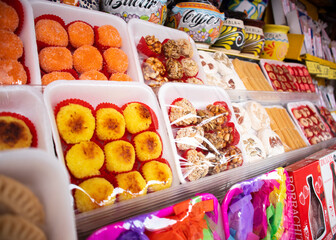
point(109, 36)
point(116, 60)
point(11, 46)
point(122, 77)
point(53, 76)
point(80, 34)
point(92, 75)
point(9, 19)
point(12, 72)
point(55, 59)
point(51, 32)
point(87, 58)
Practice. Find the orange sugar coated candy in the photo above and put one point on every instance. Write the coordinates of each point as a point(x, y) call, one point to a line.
point(51, 32)
point(55, 59)
point(80, 34)
point(87, 58)
point(53, 76)
point(123, 77)
point(109, 36)
point(11, 46)
point(92, 75)
point(116, 60)
point(12, 72)
point(9, 19)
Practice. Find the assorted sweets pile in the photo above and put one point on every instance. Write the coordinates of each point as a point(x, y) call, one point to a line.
point(170, 60)
point(16, 131)
point(219, 70)
point(311, 123)
point(111, 153)
point(328, 119)
point(258, 139)
point(79, 51)
point(206, 139)
point(12, 68)
point(288, 78)
point(22, 214)
point(251, 75)
point(282, 124)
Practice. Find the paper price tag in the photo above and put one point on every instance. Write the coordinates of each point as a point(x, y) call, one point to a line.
point(312, 67)
point(324, 72)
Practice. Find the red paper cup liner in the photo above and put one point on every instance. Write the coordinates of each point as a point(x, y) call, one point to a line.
point(136, 153)
point(155, 123)
point(16, 4)
point(41, 45)
point(224, 104)
point(143, 48)
point(74, 101)
point(29, 124)
point(27, 73)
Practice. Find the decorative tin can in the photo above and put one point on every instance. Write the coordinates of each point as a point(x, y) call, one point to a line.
point(89, 4)
point(232, 35)
point(276, 42)
point(253, 8)
point(150, 10)
point(201, 21)
point(254, 37)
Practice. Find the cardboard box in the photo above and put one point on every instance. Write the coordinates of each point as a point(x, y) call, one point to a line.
point(326, 159)
point(310, 214)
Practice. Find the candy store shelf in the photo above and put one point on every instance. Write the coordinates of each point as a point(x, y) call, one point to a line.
point(217, 184)
point(230, 54)
point(273, 97)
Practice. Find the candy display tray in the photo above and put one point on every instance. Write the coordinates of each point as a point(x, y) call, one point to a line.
point(94, 18)
point(46, 178)
point(28, 101)
point(140, 28)
point(200, 96)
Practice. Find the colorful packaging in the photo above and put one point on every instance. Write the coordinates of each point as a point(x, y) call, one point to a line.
point(310, 213)
point(196, 218)
point(326, 158)
point(259, 208)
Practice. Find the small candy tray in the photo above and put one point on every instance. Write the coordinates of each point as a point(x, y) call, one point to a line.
point(317, 131)
point(292, 121)
point(27, 35)
point(139, 28)
point(94, 18)
point(291, 77)
point(200, 97)
point(28, 101)
point(97, 92)
point(46, 178)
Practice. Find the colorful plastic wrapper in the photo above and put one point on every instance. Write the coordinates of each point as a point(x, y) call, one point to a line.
point(309, 121)
point(259, 208)
point(204, 131)
point(194, 219)
point(89, 4)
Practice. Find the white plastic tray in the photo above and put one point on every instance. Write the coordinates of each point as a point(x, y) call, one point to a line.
point(293, 122)
point(200, 96)
point(262, 66)
point(94, 18)
point(28, 38)
point(28, 101)
point(45, 176)
point(95, 92)
point(140, 28)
